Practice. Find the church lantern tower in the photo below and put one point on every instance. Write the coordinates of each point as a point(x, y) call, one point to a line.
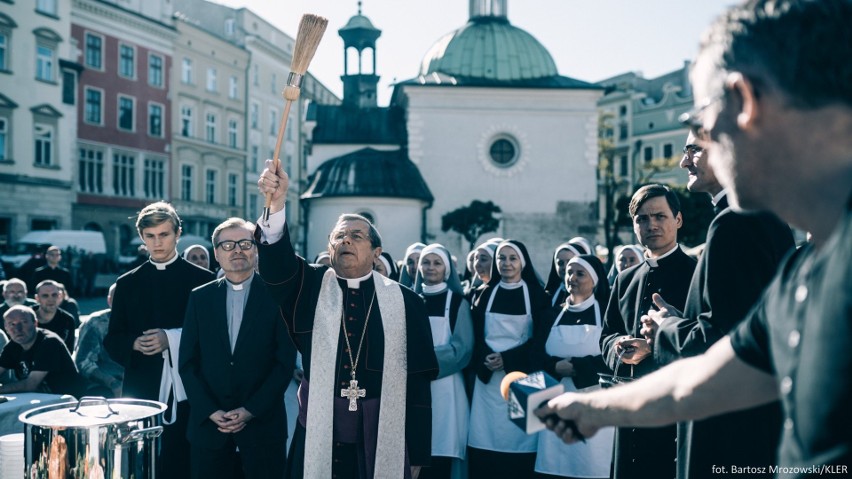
point(360, 86)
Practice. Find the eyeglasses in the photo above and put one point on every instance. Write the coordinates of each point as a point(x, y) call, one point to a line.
point(692, 118)
point(692, 150)
point(229, 245)
point(337, 237)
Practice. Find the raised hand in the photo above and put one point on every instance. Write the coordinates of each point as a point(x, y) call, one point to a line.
point(274, 183)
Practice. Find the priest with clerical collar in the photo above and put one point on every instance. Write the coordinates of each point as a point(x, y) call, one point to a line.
point(366, 348)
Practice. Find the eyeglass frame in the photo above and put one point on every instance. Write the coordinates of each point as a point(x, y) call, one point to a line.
point(251, 244)
point(691, 119)
point(336, 241)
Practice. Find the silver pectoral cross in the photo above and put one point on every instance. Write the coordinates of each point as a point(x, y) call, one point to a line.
point(353, 393)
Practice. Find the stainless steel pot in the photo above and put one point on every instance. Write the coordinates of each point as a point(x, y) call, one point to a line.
point(93, 438)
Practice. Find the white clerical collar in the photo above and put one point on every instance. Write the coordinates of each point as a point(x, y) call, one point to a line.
point(586, 304)
point(355, 283)
point(434, 288)
point(652, 262)
point(239, 286)
point(716, 199)
point(162, 266)
point(506, 285)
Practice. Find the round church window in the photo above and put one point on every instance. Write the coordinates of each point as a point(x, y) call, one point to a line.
point(503, 152)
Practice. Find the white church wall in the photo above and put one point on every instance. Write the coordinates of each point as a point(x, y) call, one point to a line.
point(450, 131)
point(398, 220)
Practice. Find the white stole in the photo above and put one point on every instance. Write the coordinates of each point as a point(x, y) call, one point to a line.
point(390, 445)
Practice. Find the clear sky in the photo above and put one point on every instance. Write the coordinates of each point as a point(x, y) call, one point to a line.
point(589, 39)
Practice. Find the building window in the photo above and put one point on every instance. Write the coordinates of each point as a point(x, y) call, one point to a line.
point(252, 209)
point(255, 158)
point(91, 171)
point(186, 182)
point(153, 180)
point(274, 82)
point(186, 71)
point(125, 113)
point(69, 87)
point(623, 165)
point(44, 136)
point(155, 120)
point(622, 130)
point(46, 6)
point(4, 48)
point(211, 79)
point(254, 113)
point(93, 108)
point(155, 70)
point(256, 74)
point(648, 153)
point(4, 139)
point(668, 150)
point(230, 27)
point(210, 128)
point(186, 121)
point(290, 129)
point(94, 51)
point(622, 110)
point(232, 87)
point(124, 174)
point(503, 152)
point(232, 133)
point(232, 189)
point(273, 121)
point(45, 62)
point(126, 64)
point(210, 187)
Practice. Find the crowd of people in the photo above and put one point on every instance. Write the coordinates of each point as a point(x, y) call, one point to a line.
point(673, 366)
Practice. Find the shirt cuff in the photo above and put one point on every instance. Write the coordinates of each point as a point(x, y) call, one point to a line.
point(273, 230)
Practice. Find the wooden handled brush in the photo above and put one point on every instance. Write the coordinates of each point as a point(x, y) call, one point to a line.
point(311, 29)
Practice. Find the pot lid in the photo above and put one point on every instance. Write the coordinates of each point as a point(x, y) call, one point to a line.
point(92, 412)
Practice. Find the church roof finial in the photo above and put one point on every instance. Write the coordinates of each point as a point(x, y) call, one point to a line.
point(359, 7)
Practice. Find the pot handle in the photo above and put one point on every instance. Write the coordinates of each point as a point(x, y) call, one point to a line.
point(94, 398)
point(146, 433)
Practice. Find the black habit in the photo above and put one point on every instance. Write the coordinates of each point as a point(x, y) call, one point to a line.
point(149, 298)
point(643, 452)
point(741, 256)
point(295, 285)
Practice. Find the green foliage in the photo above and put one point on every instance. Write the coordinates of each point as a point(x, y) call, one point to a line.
point(472, 221)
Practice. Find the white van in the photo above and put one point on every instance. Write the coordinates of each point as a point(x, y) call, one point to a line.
point(38, 241)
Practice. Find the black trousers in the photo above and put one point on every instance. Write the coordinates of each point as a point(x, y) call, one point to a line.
point(262, 461)
point(484, 464)
point(173, 460)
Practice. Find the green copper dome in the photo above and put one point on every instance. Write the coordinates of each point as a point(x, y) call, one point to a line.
point(489, 48)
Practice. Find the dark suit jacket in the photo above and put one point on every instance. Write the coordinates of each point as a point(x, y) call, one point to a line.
point(254, 376)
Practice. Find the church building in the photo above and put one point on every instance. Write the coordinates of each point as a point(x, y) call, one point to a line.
point(488, 117)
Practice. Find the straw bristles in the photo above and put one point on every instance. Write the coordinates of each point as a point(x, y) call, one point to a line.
point(311, 29)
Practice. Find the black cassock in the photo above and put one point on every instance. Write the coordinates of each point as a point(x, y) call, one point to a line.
point(148, 298)
point(741, 256)
point(644, 452)
point(295, 285)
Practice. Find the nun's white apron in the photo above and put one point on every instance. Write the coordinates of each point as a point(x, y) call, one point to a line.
point(490, 427)
point(592, 458)
point(450, 413)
